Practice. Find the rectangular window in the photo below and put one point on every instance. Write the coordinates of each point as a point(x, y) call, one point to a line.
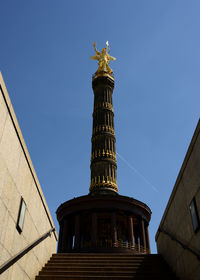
point(194, 215)
point(21, 215)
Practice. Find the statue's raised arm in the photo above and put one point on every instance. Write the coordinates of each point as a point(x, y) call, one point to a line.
point(103, 59)
point(95, 48)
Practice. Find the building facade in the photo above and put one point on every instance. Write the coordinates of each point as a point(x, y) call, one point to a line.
point(178, 236)
point(24, 214)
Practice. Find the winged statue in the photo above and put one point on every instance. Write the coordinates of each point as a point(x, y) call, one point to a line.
point(103, 58)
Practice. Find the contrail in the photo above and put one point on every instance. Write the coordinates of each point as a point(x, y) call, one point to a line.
point(137, 172)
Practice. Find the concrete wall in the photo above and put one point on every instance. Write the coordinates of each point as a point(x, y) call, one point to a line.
point(177, 218)
point(18, 179)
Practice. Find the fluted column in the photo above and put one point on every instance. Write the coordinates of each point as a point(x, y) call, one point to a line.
point(103, 159)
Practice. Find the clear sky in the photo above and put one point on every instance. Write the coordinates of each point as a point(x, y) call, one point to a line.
point(45, 49)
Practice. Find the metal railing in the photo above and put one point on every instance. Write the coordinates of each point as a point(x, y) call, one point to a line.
point(23, 252)
point(185, 247)
point(108, 244)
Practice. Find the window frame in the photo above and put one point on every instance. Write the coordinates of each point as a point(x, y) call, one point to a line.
point(194, 215)
point(21, 216)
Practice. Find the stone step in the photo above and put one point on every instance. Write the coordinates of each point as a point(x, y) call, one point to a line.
point(97, 277)
point(102, 259)
point(95, 263)
point(94, 268)
point(105, 266)
point(85, 262)
point(106, 255)
point(88, 268)
point(106, 273)
point(100, 256)
point(101, 273)
point(102, 268)
point(102, 264)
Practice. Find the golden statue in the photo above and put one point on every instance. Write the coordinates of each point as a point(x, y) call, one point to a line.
point(103, 58)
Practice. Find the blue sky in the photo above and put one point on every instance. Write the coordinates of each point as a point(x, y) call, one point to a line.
point(45, 48)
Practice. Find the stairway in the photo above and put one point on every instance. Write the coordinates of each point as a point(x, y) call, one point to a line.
point(105, 266)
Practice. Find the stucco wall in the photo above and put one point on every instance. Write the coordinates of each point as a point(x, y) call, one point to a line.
point(177, 218)
point(18, 179)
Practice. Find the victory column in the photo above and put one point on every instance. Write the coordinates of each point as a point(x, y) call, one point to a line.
point(103, 220)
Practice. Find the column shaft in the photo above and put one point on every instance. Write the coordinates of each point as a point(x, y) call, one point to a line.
point(94, 230)
point(143, 235)
point(60, 238)
point(130, 231)
point(148, 240)
point(114, 230)
point(103, 156)
point(65, 237)
point(77, 232)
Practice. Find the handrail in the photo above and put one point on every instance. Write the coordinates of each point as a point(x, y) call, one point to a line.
point(178, 241)
point(19, 255)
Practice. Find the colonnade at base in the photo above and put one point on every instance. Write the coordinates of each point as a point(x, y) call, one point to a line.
point(105, 224)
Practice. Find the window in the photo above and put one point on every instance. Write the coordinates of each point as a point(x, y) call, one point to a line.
point(194, 215)
point(21, 215)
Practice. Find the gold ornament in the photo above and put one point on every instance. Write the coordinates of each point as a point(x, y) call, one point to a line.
point(103, 58)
